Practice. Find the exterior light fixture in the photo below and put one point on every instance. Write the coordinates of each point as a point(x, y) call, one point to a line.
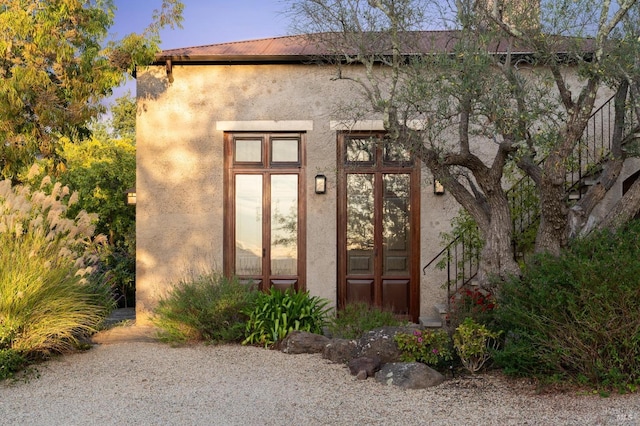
point(131, 196)
point(438, 189)
point(321, 184)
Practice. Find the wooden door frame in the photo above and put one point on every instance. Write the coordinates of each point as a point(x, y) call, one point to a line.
point(414, 269)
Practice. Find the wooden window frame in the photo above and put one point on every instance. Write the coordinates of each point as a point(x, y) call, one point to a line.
point(265, 168)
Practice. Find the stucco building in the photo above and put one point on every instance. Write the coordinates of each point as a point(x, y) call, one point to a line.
point(245, 165)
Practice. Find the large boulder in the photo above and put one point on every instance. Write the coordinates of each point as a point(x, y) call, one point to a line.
point(380, 343)
point(340, 350)
point(409, 375)
point(363, 367)
point(302, 342)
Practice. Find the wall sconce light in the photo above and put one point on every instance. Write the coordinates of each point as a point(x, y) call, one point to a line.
point(131, 196)
point(438, 189)
point(321, 184)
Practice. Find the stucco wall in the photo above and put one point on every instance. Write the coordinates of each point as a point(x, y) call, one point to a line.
point(180, 169)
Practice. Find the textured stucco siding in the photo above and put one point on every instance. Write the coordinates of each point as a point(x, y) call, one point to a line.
point(180, 169)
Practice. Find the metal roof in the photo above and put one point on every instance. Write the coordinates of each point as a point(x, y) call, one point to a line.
point(297, 48)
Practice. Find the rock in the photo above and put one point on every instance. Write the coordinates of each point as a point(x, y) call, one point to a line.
point(302, 342)
point(380, 343)
point(409, 375)
point(364, 367)
point(340, 350)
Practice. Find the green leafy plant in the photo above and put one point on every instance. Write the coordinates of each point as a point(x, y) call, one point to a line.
point(206, 307)
point(277, 313)
point(11, 361)
point(577, 315)
point(426, 346)
point(464, 229)
point(474, 343)
point(358, 318)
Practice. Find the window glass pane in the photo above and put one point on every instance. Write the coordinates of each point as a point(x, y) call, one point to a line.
point(284, 224)
point(248, 150)
point(284, 151)
point(395, 224)
point(360, 224)
point(360, 150)
point(248, 224)
point(395, 152)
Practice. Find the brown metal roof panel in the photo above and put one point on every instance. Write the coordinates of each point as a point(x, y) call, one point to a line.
point(304, 46)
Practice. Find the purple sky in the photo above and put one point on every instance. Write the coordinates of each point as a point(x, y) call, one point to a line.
point(205, 22)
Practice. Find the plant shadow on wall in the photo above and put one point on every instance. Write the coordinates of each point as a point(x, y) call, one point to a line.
point(155, 85)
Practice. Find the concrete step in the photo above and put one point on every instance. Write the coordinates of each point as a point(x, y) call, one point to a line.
point(430, 322)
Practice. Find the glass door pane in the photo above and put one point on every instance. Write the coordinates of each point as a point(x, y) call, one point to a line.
point(284, 225)
point(360, 224)
point(248, 225)
point(395, 224)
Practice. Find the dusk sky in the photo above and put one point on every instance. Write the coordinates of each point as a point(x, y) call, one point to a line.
point(205, 22)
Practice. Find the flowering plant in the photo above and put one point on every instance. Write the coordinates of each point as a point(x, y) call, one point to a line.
point(428, 347)
point(476, 303)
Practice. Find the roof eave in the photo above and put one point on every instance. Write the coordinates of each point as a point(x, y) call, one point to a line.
point(176, 59)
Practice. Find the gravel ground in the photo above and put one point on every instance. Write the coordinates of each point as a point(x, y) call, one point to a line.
point(152, 384)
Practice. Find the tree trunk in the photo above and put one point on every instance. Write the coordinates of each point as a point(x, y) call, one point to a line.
point(552, 232)
point(497, 257)
point(624, 210)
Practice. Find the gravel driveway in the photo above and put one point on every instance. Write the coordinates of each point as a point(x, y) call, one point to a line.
point(141, 383)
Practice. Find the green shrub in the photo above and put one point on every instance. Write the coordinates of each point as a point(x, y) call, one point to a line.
point(577, 315)
point(277, 313)
point(10, 362)
point(357, 318)
point(474, 343)
point(206, 307)
point(426, 346)
point(48, 294)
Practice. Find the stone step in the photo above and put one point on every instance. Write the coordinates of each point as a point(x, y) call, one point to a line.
point(429, 322)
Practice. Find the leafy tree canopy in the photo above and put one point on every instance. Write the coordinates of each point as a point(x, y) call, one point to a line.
point(56, 67)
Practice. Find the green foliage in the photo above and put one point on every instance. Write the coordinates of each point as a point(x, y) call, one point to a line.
point(427, 346)
point(207, 307)
point(123, 120)
point(48, 294)
point(53, 74)
point(277, 313)
point(56, 71)
point(101, 171)
point(357, 318)
point(473, 343)
point(577, 315)
point(10, 362)
point(466, 231)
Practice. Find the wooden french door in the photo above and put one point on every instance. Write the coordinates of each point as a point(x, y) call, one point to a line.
point(264, 210)
point(378, 225)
